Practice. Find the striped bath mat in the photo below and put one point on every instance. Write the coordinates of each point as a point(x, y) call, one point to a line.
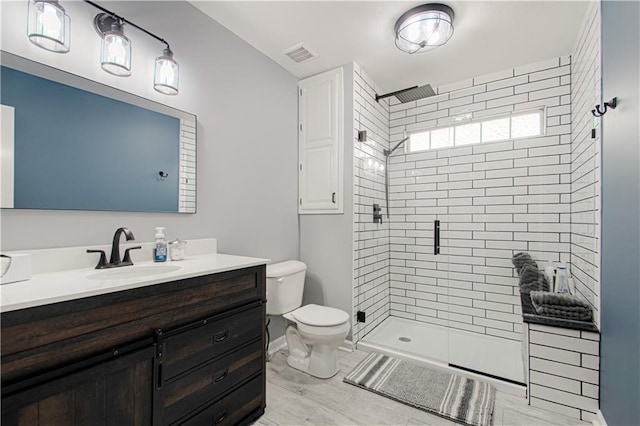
point(455, 397)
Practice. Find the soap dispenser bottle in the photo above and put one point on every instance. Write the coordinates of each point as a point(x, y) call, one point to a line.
point(160, 249)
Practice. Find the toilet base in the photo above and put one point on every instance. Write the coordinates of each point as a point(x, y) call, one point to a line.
point(311, 351)
point(321, 363)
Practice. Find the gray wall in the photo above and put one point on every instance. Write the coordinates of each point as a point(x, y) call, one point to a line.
point(247, 141)
point(620, 342)
point(326, 241)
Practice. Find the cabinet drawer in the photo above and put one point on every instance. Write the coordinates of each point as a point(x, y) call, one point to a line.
point(189, 346)
point(188, 392)
point(232, 409)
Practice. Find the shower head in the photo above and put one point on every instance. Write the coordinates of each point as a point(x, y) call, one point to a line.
point(410, 94)
point(415, 93)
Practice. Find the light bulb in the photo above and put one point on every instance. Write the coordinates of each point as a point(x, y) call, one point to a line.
point(51, 21)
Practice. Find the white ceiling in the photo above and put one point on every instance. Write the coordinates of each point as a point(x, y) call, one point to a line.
point(488, 36)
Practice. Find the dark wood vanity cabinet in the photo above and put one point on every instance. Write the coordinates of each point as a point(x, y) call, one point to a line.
point(184, 352)
point(115, 392)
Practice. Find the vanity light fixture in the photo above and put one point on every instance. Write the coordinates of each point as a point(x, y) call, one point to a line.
point(424, 28)
point(48, 25)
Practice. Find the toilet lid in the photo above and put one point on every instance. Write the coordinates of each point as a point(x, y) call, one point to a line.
point(320, 316)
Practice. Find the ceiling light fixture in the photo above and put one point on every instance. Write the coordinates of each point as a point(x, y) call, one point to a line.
point(48, 25)
point(424, 28)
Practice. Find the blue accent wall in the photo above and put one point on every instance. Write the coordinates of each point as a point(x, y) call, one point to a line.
point(78, 150)
point(620, 289)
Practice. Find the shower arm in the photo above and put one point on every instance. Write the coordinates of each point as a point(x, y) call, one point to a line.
point(388, 153)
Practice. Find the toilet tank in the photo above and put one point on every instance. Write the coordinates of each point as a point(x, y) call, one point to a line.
point(285, 283)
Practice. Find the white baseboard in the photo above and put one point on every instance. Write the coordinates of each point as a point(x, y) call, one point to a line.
point(276, 345)
point(347, 346)
point(599, 420)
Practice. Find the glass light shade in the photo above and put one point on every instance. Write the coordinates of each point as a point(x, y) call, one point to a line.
point(48, 25)
point(424, 28)
point(166, 74)
point(115, 56)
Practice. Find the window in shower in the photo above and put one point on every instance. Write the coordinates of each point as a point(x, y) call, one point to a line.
point(514, 126)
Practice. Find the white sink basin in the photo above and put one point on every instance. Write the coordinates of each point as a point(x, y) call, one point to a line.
point(125, 272)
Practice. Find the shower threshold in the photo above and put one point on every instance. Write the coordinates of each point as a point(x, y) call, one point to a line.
point(488, 358)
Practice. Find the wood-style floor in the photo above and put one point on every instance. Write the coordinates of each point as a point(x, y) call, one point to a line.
point(295, 398)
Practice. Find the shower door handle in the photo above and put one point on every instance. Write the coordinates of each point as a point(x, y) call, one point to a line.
point(436, 237)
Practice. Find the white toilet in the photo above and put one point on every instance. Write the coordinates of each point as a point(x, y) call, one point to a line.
point(313, 332)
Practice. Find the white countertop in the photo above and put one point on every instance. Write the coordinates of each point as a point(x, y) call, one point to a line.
point(53, 287)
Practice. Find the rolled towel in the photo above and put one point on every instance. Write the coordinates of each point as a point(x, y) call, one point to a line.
point(519, 260)
point(532, 279)
point(561, 306)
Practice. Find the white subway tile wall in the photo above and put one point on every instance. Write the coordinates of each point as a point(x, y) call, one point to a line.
point(563, 370)
point(371, 257)
point(493, 199)
point(187, 165)
point(585, 164)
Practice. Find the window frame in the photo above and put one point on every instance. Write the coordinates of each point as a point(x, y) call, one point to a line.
point(452, 132)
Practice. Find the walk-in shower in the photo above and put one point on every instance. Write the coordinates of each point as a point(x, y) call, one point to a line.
point(491, 160)
point(437, 277)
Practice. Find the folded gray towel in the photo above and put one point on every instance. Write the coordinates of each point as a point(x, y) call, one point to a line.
point(561, 306)
point(532, 279)
point(521, 259)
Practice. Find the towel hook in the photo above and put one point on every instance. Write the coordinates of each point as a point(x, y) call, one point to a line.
point(613, 103)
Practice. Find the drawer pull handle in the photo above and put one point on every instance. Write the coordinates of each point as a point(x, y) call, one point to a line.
point(220, 336)
point(221, 377)
point(220, 418)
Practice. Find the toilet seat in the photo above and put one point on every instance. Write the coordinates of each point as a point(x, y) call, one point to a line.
point(320, 316)
point(319, 320)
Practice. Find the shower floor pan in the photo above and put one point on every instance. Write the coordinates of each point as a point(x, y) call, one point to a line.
point(484, 357)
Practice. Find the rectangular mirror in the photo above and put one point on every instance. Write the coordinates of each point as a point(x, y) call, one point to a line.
point(69, 143)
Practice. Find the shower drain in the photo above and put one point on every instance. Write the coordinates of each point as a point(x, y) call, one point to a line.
point(404, 339)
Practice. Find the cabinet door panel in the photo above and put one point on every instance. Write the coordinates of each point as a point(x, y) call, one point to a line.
point(321, 143)
point(116, 392)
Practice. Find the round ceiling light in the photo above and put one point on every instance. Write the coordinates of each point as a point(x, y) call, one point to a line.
point(424, 28)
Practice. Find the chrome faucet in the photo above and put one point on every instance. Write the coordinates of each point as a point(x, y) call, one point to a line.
point(114, 260)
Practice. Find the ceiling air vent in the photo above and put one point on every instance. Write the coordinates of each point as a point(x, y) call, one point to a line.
point(299, 53)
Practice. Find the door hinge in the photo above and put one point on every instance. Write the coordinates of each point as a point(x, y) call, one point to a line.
point(300, 92)
point(300, 166)
point(300, 126)
point(300, 201)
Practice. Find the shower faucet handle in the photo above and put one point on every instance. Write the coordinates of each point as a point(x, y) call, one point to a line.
point(377, 213)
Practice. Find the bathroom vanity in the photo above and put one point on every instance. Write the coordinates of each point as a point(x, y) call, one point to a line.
point(185, 347)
